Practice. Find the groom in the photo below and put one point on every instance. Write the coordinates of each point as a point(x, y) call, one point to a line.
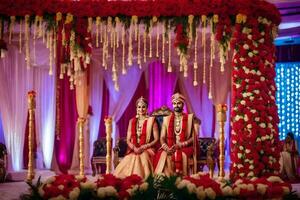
point(176, 140)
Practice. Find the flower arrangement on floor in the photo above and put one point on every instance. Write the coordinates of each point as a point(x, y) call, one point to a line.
point(198, 186)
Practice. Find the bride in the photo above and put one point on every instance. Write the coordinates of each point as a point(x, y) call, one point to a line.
point(142, 135)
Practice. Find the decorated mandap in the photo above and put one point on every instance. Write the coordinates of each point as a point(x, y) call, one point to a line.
point(201, 40)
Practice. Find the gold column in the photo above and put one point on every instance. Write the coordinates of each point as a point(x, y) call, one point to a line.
point(81, 142)
point(108, 130)
point(221, 117)
point(31, 110)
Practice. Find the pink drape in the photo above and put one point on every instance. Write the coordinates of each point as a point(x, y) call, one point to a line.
point(67, 124)
point(161, 85)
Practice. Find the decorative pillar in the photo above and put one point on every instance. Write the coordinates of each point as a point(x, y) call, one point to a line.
point(108, 130)
point(31, 111)
point(81, 142)
point(221, 117)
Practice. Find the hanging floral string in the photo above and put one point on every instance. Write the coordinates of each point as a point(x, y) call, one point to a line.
point(114, 67)
point(101, 31)
point(154, 19)
point(215, 21)
point(27, 52)
point(20, 37)
point(50, 51)
point(139, 62)
point(36, 20)
point(150, 38)
point(104, 48)
point(98, 20)
point(117, 20)
point(190, 21)
point(195, 82)
point(203, 20)
point(145, 47)
point(135, 23)
point(163, 43)
point(129, 59)
point(123, 50)
point(54, 43)
point(11, 28)
point(169, 42)
point(109, 31)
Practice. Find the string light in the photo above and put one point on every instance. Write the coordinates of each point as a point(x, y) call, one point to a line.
point(288, 97)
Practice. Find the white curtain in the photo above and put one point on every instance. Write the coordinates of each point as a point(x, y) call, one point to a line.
point(119, 100)
point(14, 85)
point(15, 82)
point(45, 115)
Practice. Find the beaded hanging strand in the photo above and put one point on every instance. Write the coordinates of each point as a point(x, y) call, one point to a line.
point(163, 43)
point(169, 42)
point(123, 51)
point(203, 19)
point(195, 82)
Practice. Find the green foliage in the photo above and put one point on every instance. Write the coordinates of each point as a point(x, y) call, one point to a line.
point(149, 194)
point(34, 191)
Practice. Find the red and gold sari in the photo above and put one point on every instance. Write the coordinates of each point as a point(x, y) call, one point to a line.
point(139, 164)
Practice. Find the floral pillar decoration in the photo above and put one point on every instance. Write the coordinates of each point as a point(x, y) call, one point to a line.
point(81, 143)
point(221, 117)
point(108, 130)
point(31, 110)
point(254, 140)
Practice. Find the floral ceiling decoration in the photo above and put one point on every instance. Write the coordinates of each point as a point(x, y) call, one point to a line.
point(134, 32)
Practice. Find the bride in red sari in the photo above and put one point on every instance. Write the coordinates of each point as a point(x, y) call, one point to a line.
point(142, 135)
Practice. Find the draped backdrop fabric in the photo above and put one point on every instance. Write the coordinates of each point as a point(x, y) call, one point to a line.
point(158, 86)
point(119, 100)
point(82, 105)
point(15, 82)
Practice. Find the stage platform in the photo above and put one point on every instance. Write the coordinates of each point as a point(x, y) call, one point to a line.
point(12, 190)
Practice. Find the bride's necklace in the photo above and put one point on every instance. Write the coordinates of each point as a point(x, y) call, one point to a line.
point(140, 123)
